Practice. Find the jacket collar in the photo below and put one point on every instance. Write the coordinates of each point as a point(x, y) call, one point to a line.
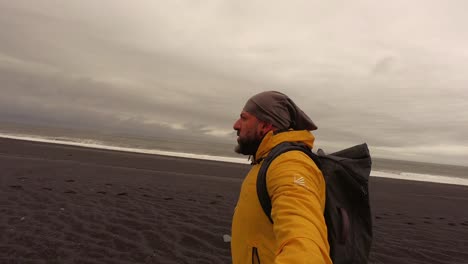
point(272, 139)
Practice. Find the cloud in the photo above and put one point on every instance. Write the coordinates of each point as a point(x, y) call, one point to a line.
point(391, 74)
point(383, 65)
point(217, 132)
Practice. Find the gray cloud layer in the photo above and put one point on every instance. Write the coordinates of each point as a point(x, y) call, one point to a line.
point(391, 74)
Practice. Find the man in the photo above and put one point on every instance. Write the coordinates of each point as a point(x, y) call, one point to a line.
point(295, 185)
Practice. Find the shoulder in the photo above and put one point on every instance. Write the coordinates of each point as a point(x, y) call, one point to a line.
point(290, 167)
point(294, 160)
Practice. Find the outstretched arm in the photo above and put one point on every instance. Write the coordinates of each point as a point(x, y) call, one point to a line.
point(297, 191)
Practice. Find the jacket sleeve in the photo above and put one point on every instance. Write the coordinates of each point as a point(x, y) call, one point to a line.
point(297, 191)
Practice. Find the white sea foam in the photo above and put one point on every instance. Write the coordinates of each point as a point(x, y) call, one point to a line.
point(99, 145)
point(421, 177)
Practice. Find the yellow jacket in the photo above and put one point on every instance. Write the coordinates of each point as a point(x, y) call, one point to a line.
point(299, 232)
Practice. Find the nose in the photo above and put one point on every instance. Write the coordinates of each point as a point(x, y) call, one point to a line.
point(236, 125)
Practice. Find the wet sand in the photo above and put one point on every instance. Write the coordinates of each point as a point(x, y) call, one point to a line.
point(67, 204)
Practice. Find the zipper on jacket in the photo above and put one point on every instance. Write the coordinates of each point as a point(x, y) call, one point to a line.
point(255, 257)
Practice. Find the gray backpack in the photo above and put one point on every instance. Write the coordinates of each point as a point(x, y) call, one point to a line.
point(347, 210)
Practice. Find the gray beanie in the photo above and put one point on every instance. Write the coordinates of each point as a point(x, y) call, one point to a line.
point(279, 110)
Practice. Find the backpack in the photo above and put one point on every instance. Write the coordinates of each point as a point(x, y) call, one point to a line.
point(347, 210)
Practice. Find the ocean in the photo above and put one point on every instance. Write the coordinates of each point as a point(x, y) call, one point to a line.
point(218, 151)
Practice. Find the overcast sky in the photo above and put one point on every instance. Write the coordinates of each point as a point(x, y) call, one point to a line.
point(393, 74)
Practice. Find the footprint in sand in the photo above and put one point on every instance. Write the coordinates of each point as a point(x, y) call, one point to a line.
point(70, 180)
point(47, 188)
point(18, 187)
point(191, 200)
point(452, 224)
point(122, 194)
point(219, 196)
point(427, 222)
point(378, 217)
point(410, 223)
point(168, 198)
point(108, 184)
point(213, 202)
point(146, 195)
point(101, 192)
point(70, 192)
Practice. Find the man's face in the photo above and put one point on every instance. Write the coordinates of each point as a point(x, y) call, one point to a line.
point(249, 133)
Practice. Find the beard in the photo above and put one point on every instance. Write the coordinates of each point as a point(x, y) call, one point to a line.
point(248, 146)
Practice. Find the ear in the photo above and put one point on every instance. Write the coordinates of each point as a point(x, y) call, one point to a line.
point(266, 127)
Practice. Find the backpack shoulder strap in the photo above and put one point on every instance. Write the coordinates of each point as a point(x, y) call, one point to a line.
point(262, 190)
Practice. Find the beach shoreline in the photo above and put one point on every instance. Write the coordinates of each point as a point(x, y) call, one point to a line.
point(69, 204)
point(383, 168)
